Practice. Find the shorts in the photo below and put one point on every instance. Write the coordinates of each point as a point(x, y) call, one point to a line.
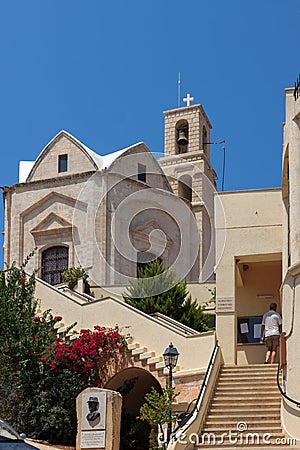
point(271, 341)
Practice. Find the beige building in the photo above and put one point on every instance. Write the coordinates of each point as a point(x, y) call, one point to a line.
point(114, 213)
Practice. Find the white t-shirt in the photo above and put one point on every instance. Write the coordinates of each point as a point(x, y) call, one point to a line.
point(271, 321)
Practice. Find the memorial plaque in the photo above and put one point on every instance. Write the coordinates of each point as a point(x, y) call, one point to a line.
point(93, 411)
point(225, 304)
point(92, 439)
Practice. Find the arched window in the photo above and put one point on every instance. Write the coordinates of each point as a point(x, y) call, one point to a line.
point(55, 261)
point(185, 187)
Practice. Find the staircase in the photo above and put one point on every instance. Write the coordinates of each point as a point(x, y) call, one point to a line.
point(244, 411)
point(148, 358)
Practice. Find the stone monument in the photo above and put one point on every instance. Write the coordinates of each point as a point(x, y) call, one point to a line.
point(98, 419)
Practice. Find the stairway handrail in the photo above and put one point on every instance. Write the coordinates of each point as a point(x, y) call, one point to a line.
point(282, 392)
point(180, 326)
point(195, 411)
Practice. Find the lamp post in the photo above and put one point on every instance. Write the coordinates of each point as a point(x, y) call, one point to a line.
point(170, 357)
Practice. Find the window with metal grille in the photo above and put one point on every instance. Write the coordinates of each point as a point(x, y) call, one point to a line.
point(54, 263)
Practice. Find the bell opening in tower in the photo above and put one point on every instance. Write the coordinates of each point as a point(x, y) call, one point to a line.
point(182, 137)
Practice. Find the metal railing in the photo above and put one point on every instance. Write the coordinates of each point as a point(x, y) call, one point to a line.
point(283, 393)
point(190, 417)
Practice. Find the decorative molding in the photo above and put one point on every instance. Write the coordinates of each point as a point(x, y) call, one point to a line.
point(46, 229)
point(50, 197)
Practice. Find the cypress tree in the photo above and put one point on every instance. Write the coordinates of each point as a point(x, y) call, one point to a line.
point(158, 290)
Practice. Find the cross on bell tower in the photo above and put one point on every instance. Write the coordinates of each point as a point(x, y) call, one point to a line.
point(187, 129)
point(188, 99)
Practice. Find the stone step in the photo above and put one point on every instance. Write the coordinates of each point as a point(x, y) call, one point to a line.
point(229, 446)
point(160, 365)
point(241, 437)
point(271, 427)
point(242, 409)
point(246, 417)
point(243, 395)
point(245, 388)
point(247, 383)
point(254, 378)
point(155, 360)
point(137, 351)
point(253, 427)
point(244, 372)
point(259, 368)
point(133, 346)
point(229, 400)
point(250, 366)
point(147, 355)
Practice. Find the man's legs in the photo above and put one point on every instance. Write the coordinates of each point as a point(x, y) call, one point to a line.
point(273, 355)
point(268, 354)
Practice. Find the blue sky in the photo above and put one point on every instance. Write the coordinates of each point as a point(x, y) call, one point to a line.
point(105, 72)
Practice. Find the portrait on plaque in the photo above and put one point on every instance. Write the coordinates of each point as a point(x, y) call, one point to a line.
point(93, 411)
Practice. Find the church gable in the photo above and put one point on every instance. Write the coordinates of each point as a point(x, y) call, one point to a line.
point(138, 163)
point(64, 155)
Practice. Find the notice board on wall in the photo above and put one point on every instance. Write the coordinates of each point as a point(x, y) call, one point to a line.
point(249, 329)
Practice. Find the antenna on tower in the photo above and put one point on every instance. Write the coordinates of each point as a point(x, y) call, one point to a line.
point(178, 93)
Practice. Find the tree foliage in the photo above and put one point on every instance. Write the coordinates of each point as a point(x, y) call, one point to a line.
point(156, 409)
point(42, 373)
point(157, 290)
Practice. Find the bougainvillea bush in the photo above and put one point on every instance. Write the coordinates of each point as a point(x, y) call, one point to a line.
point(41, 372)
point(89, 354)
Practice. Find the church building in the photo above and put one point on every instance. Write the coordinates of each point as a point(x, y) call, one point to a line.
point(113, 213)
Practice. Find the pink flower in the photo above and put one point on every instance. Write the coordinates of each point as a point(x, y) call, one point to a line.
point(23, 280)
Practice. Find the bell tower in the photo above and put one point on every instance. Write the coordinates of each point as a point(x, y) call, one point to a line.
point(187, 130)
point(186, 163)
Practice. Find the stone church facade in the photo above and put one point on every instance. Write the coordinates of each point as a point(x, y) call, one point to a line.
point(114, 213)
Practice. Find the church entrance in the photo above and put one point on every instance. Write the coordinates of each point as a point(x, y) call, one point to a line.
point(133, 383)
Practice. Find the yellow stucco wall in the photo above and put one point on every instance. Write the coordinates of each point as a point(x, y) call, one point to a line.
point(248, 264)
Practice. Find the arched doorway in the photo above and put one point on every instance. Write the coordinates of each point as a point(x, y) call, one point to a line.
point(133, 383)
point(141, 382)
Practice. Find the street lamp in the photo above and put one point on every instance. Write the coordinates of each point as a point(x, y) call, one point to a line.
point(170, 357)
